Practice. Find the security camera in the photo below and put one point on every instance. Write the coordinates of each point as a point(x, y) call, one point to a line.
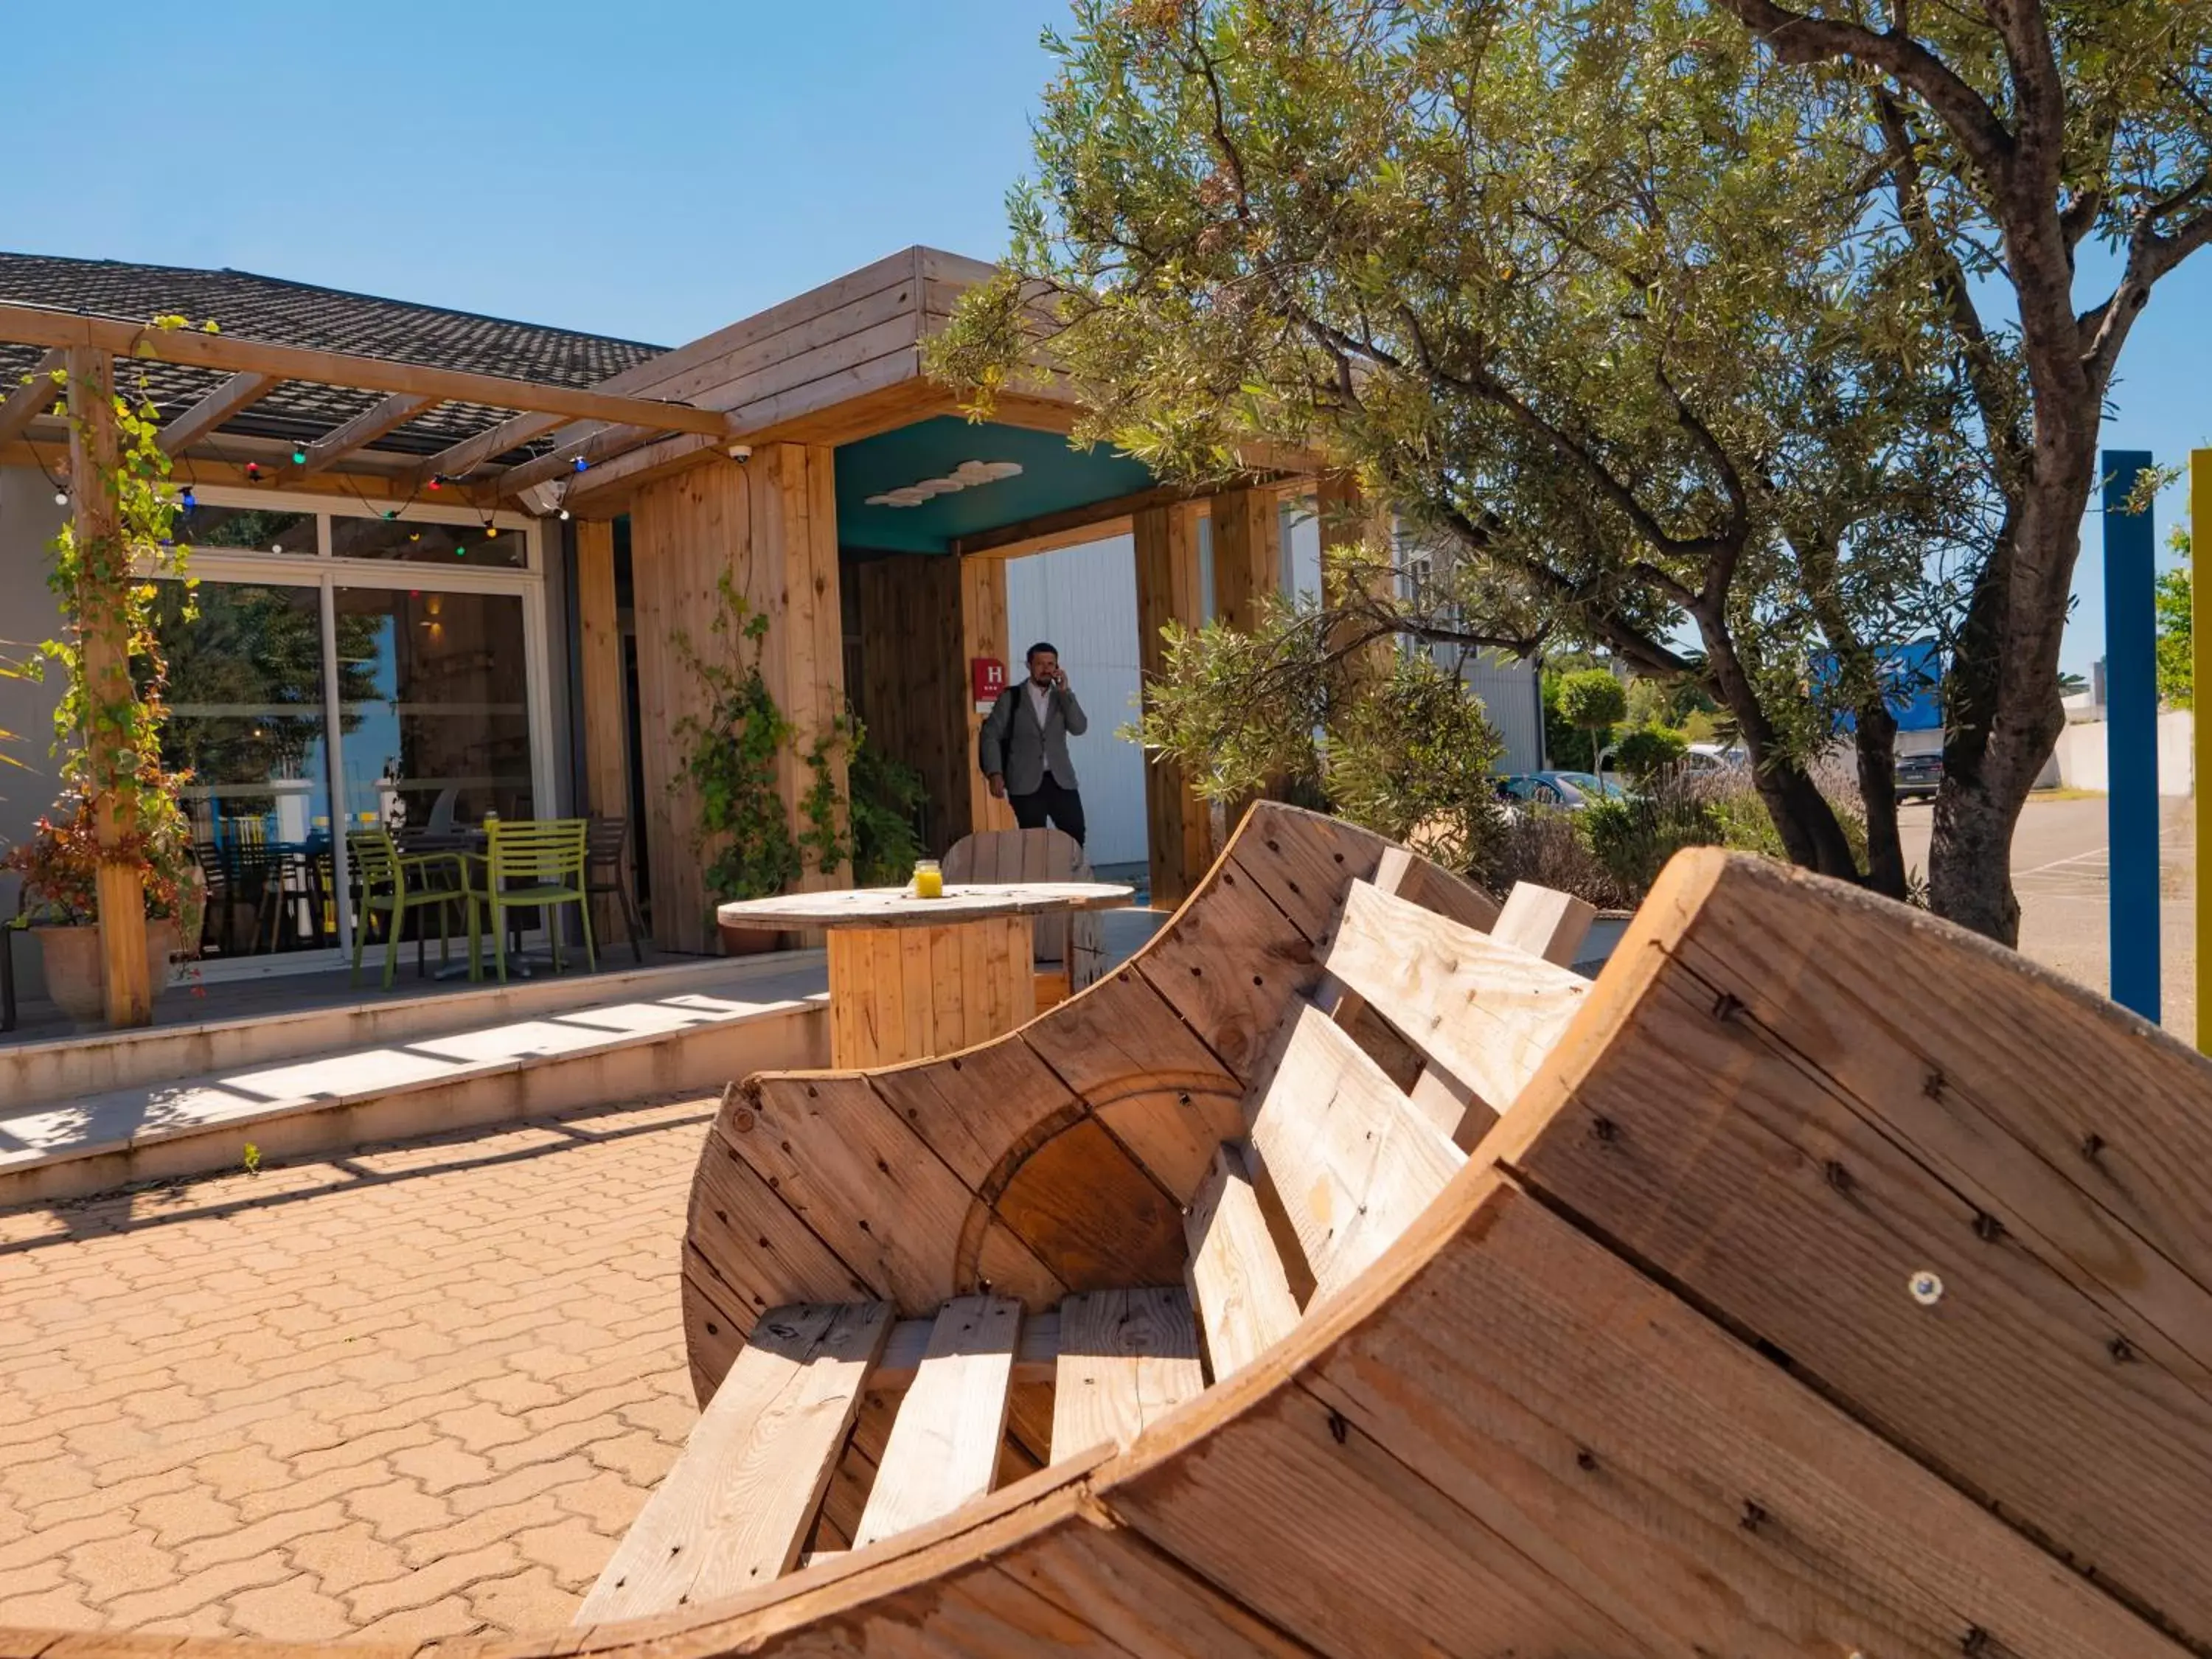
point(741, 452)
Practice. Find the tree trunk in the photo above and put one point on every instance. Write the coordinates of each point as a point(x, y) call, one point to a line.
point(1877, 757)
point(1811, 833)
point(2002, 701)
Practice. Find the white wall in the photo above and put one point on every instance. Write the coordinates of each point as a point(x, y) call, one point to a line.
point(28, 613)
point(2082, 762)
point(1084, 599)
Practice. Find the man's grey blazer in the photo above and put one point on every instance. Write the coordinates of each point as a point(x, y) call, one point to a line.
point(1015, 745)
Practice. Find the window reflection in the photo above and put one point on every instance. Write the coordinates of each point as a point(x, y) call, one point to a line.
point(247, 530)
point(246, 721)
point(416, 542)
point(437, 714)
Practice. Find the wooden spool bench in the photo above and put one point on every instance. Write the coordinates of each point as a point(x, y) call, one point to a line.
point(1346, 1160)
point(1821, 1279)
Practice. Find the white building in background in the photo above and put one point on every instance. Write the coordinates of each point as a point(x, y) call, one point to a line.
point(1084, 600)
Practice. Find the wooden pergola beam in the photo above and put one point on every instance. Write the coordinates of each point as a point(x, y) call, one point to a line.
point(39, 326)
point(594, 447)
point(458, 460)
point(366, 428)
point(1065, 528)
point(33, 399)
point(237, 393)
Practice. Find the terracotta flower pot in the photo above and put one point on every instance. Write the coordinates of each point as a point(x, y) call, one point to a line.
point(72, 961)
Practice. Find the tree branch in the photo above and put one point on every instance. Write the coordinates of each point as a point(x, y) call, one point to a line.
point(1796, 38)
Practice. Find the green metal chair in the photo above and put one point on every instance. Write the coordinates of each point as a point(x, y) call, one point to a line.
point(390, 883)
point(527, 863)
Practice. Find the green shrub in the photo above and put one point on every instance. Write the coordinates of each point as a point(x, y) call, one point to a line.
point(1650, 751)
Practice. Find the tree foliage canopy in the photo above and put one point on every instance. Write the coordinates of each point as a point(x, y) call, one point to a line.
point(1587, 291)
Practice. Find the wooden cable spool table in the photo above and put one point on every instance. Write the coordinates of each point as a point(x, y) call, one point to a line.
point(911, 977)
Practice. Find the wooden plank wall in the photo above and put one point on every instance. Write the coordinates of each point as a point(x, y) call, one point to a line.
point(606, 724)
point(984, 632)
point(772, 521)
point(1168, 591)
point(923, 616)
point(913, 678)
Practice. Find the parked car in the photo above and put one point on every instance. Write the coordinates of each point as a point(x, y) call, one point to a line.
point(1570, 790)
point(1711, 757)
point(1919, 776)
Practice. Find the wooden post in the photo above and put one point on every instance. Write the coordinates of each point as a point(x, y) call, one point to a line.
point(1247, 570)
point(1247, 556)
point(770, 522)
point(1168, 591)
point(1345, 519)
point(2200, 617)
point(984, 632)
point(606, 726)
point(104, 637)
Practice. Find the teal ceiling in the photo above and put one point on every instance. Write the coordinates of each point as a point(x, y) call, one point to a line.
point(1053, 477)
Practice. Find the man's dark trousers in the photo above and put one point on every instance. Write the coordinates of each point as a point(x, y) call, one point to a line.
point(1054, 801)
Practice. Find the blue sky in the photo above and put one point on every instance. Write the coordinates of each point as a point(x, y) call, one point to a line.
point(653, 169)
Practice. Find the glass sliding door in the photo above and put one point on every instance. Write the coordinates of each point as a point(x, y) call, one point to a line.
point(246, 721)
point(434, 690)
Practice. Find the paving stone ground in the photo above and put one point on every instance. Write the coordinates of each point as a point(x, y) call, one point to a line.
point(415, 1391)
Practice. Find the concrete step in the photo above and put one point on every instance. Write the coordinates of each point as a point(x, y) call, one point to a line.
point(69, 1068)
point(762, 1017)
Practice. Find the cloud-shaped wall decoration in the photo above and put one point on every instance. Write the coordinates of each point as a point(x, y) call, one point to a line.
point(966, 476)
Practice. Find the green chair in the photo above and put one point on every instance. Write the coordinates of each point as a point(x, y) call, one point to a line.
point(527, 863)
point(390, 883)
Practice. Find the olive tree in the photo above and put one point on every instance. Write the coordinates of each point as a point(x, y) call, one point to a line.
point(1590, 290)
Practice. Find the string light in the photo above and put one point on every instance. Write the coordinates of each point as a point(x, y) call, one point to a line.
point(580, 465)
point(61, 496)
point(564, 515)
point(253, 473)
point(188, 501)
point(437, 481)
point(299, 454)
point(490, 530)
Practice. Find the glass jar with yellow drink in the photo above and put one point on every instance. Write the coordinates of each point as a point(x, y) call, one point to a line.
point(928, 879)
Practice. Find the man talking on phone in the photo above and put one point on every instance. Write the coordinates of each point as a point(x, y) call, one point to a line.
point(1024, 751)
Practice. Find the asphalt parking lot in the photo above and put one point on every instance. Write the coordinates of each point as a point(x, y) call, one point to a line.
point(2062, 867)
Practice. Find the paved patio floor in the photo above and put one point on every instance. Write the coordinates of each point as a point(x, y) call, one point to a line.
point(412, 1392)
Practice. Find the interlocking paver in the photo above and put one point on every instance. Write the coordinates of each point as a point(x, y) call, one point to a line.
point(407, 1395)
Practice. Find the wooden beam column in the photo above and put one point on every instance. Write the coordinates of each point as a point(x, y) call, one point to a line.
point(1247, 571)
point(1347, 520)
point(1247, 556)
point(770, 523)
point(984, 632)
point(1168, 591)
point(606, 725)
point(104, 637)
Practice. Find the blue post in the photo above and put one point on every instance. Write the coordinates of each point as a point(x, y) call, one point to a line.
point(2131, 733)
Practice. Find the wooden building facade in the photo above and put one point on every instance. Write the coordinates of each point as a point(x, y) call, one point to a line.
point(800, 455)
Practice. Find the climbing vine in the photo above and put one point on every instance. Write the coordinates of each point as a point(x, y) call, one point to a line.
point(108, 733)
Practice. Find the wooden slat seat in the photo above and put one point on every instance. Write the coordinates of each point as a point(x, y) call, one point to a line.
point(1346, 1158)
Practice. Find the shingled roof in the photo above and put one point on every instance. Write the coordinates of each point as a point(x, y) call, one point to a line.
point(327, 319)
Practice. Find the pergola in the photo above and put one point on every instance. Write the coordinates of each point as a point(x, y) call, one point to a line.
point(725, 455)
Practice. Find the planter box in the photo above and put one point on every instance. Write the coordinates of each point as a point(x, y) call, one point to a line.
point(74, 977)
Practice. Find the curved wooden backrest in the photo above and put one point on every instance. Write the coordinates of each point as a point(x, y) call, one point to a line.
point(1836, 1283)
point(1069, 943)
point(1056, 1158)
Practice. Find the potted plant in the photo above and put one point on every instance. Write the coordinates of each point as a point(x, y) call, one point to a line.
point(60, 868)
